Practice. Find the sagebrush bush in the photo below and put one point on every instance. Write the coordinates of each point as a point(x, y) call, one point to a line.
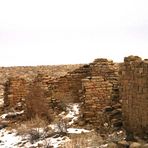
point(61, 125)
point(36, 103)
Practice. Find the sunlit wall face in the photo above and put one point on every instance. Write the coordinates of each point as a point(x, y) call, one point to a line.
point(59, 32)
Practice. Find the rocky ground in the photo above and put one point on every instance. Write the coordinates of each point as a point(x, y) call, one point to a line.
point(63, 132)
point(52, 135)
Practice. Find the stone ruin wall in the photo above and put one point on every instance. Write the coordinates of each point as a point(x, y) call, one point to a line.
point(14, 81)
point(134, 94)
point(95, 85)
point(96, 79)
point(15, 91)
point(100, 91)
point(67, 88)
point(109, 71)
point(2, 94)
point(97, 95)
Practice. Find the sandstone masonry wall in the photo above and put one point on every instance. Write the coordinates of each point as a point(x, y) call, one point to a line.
point(16, 90)
point(14, 81)
point(2, 93)
point(59, 89)
point(68, 87)
point(100, 90)
point(96, 97)
point(109, 71)
point(95, 84)
point(134, 94)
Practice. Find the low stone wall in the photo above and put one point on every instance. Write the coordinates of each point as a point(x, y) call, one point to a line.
point(134, 94)
point(64, 89)
point(2, 94)
point(68, 87)
point(14, 76)
point(16, 90)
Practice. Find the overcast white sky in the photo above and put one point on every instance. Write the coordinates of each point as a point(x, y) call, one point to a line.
point(38, 32)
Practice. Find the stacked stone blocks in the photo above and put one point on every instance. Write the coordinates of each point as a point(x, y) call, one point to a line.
point(134, 94)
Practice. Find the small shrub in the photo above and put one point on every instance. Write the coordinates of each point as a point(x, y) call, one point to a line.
point(34, 135)
point(36, 104)
point(60, 125)
point(104, 126)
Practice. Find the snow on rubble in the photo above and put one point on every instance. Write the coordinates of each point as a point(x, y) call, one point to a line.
point(73, 112)
point(11, 138)
point(11, 114)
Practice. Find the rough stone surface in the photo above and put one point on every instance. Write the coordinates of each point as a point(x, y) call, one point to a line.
point(134, 94)
point(135, 145)
point(123, 144)
point(100, 89)
point(97, 95)
point(16, 90)
point(94, 84)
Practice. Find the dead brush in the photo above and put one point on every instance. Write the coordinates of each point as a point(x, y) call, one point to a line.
point(61, 125)
point(83, 140)
point(30, 124)
point(36, 102)
point(34, 129)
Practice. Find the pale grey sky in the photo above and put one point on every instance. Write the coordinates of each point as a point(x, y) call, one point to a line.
point(43, 32)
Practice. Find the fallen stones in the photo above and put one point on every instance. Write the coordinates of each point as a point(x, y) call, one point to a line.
point(112, 145)
point(3, 125)
point(135, 145)
point(123, 144)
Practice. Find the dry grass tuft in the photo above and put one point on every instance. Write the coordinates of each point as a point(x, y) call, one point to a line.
point(34, 129)
point(84, 140)
point(34, 123)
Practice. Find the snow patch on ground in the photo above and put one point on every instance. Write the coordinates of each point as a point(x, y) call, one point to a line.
point(9, 139)
point(73, 112)
point(11, 114)
point(55, 142)
point(77, 130)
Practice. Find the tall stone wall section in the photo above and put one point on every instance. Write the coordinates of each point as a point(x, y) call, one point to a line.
point(134, 94)
point(101, 90)
point(109, 71)
point(96, 97)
